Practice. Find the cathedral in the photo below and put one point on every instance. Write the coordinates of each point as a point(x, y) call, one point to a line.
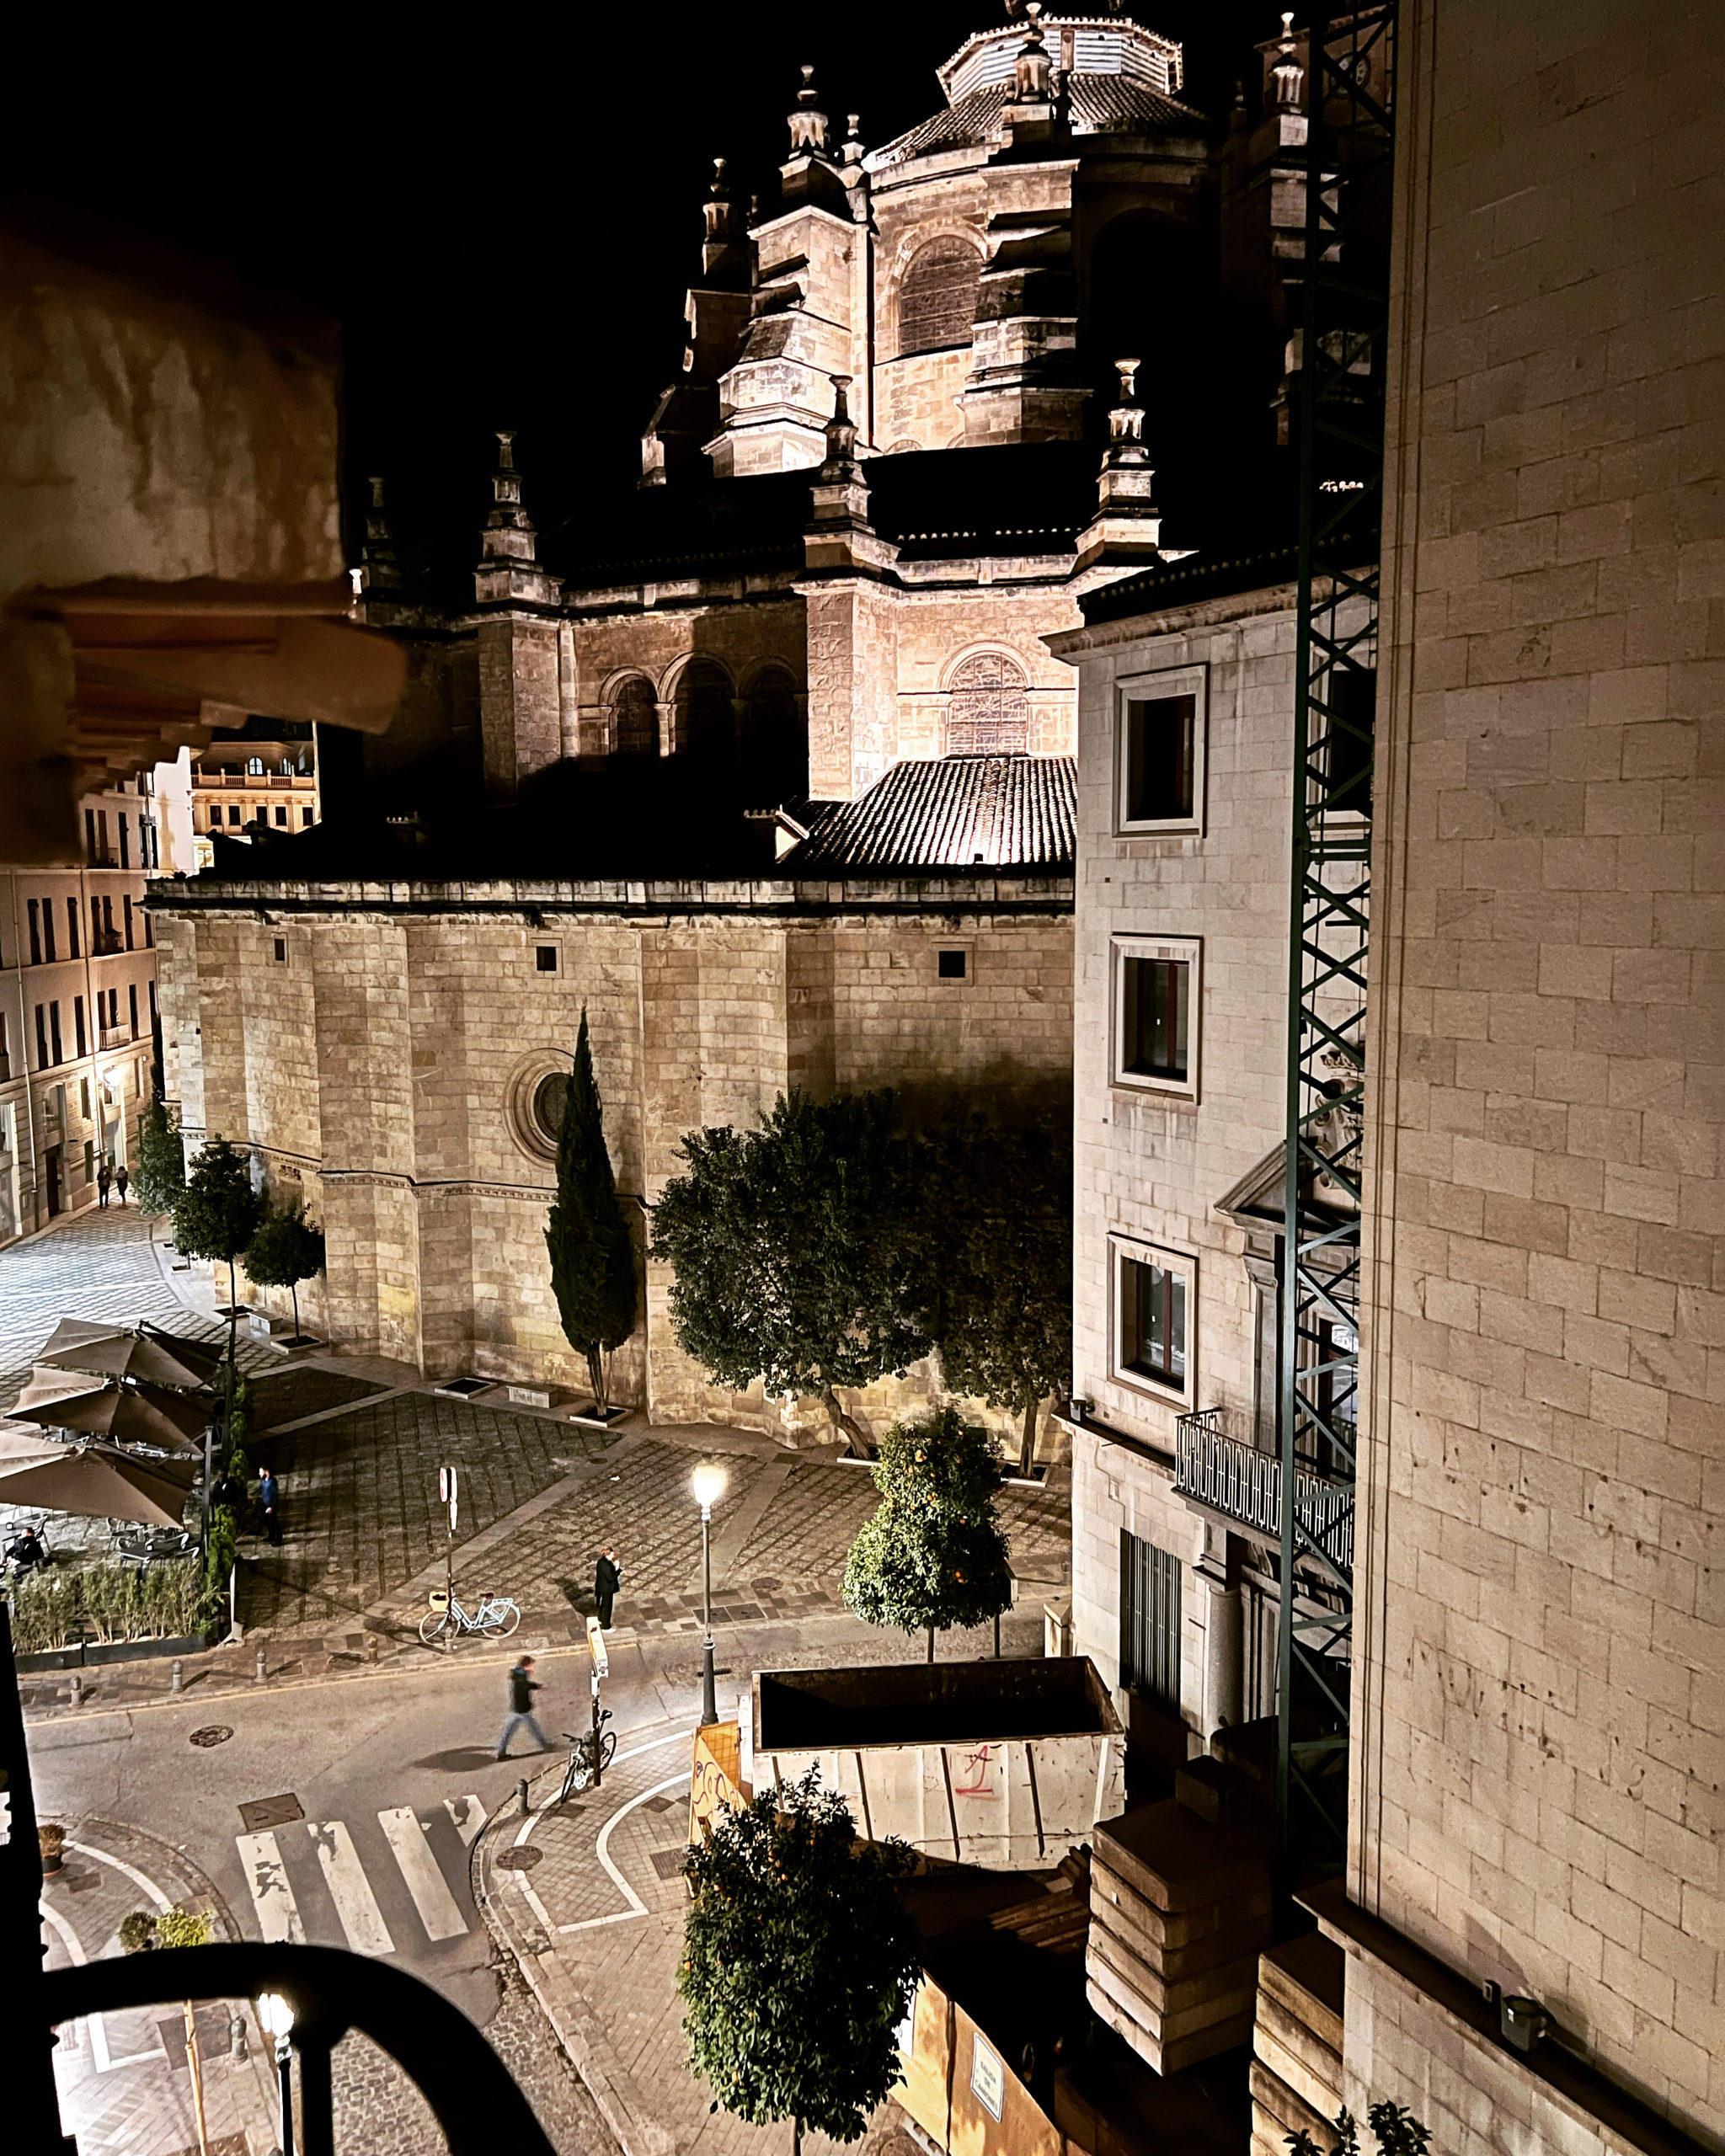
point(930, 397)
point(769, 767)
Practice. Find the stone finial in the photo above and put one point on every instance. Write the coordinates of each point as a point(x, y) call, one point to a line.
point(807, 122)
point(1288, 75)
point(1126, 420)
point(719, 210)
point(853, 138)
point(841, 435)
point(1032, 70)
point(379, 569)
point(509, 531)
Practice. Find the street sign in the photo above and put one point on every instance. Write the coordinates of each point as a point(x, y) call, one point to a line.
point(596, 1639)
point(446, 1484)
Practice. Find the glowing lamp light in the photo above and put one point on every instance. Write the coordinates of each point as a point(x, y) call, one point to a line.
point(276, 2014)
point(707, 1482)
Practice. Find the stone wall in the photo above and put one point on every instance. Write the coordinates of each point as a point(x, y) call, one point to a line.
point(385, 1071)
point(1537, 1720)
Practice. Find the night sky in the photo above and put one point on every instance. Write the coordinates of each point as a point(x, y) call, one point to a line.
point(503, 217)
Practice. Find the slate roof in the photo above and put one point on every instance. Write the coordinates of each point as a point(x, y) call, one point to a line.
point(946, 812)
point(1101, 104)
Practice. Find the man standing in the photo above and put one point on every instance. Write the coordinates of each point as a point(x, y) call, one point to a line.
point(269, 1503)
point(105, 1176)
point(521, 1688)
point(121, 1180)
point(607, 1578)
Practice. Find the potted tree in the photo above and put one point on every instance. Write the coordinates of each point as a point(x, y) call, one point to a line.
point(285, 1250)
point(51, 1841)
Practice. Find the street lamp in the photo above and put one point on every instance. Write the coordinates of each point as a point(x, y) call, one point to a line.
point(277, 2018)
point(707, 1482)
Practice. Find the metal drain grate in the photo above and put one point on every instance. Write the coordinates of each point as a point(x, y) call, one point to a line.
point(271, 1812)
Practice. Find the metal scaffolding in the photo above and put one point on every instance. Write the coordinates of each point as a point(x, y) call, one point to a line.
point(1342, 352)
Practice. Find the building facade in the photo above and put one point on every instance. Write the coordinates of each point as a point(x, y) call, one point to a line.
point(1534, 1750)
point(261, 777)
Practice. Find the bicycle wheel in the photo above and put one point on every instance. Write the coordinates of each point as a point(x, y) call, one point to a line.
point(433, 1625)
point(607, 1750)
point(505, 1617)
point(569, 1783)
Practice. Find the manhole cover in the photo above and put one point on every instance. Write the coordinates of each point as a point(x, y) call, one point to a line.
point(271, 1812)
point(217, 1733)
point(520, 1860)
point(668, 1863)
point(659, 1804)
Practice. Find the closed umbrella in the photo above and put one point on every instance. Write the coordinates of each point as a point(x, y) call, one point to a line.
point(135, 1414)
point(98, 1481)
point(129, 1352)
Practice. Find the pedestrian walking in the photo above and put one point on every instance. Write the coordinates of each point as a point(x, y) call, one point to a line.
point(121, 1180)
point(521, 1688)
point(607, 1578)
point(269, 1504)
point(105, 1177)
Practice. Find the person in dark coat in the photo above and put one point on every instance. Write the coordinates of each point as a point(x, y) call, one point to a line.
point(607, 1578)
point(122, 1177)
point(269, 1504)
point(521, 1688)
point(105, 1176)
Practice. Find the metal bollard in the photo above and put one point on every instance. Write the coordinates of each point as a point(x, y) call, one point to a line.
point(237, 2036)
point(522, 1796)
point(77, 1694)
point(258, 1671)
point(176, 1676)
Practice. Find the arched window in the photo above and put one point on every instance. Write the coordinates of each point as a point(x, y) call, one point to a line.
point(937, 298)
point(706, 723)
point(634, 719)
point(775, 755)
point(986, 714)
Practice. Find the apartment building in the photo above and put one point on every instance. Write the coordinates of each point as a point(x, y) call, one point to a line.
point(262, 775)
point(78, 1000)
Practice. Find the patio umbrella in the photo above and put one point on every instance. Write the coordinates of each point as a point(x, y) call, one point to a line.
point(129, 1352)
point(139, 1414)
point(100, 1481)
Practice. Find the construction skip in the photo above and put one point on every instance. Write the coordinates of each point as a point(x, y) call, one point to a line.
point(1004, 1765)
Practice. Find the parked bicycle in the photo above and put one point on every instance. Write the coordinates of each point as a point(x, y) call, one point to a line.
point(579, 1774)
point(496, 1617)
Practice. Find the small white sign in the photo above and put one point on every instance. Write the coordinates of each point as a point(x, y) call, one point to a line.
point(905, 2036)
point(596, 1639)
point(988, 2078)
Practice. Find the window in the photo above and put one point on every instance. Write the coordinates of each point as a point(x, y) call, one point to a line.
point(125, 902)
point(1156, 1010)
point(149, 933)
point(36, 912)
point(288, 767)
point(83, 1097)
point(1150, 1621)
point(89, 834)
point(102, 837)
point(78, 1023)
point(987, 713)
point(1162, 726)
point(279, 950)
point(545, 958)
point(1154, 1311)
point(71, 928)
point(132, 1006)
point(280, 815)
point(137, 1076)
point(232, 812)
point(53, 1028)
point(1353, 693)
point(706, 721)
point(89, 1160)
point(953, 964)
point(634, 719)
point(124, 823)
point(937, 298)
point(550, 1099)
point(153, 1002)
point(305, 817)
point(254, 767)
point(95, 925)
point(113, 1009)
point(108, 934)
point(48, 929)
point(42, 1038)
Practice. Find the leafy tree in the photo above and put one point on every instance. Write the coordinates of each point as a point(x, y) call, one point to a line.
point(1002, 1200)
point(799, 1251)
point(159, 1176)
point(798, 1961)
point(1398, 2133)
point(285, 1250)
point(934, 1554)
point(215, 1216)
point(592, 1252)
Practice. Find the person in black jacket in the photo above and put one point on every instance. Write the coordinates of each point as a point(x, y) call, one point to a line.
point(521, 1688)
point(607, 1578)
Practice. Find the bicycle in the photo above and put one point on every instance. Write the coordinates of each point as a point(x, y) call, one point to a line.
point(496, 1617)
point(579, 1772)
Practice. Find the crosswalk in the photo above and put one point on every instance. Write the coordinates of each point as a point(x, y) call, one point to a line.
point(281, 1863)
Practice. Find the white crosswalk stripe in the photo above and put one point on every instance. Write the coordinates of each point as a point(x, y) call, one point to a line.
point(468, 1816)
point(349, 1889)
point(272, 1896)
point(425, 1882)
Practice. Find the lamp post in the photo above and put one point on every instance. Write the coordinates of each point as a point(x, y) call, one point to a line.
point(709, 1483)
point(277, 2018)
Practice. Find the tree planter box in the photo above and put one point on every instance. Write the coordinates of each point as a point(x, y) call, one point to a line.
point(89, 1654)
point(593, 1419)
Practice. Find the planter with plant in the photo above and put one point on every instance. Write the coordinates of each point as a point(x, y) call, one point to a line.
point(51, 1841)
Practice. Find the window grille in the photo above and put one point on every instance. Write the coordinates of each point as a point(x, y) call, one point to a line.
point(635, 719)
point(937, 298)
point(987, 713)
point(1150, 1621)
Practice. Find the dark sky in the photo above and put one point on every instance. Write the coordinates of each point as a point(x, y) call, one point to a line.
point(501, 205)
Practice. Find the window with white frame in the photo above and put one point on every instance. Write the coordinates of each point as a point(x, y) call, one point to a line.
point(1157, 991)
point(1161, 723)
point(1154, 1319)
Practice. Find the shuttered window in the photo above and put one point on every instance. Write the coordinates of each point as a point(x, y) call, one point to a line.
point(937, 298)
point(1150, 1621)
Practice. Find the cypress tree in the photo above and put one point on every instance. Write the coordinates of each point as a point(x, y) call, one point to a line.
point(592, 1253)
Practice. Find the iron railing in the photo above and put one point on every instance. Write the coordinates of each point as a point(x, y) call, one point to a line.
point(1226, 1475)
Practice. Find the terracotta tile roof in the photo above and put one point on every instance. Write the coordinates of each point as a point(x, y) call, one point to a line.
point(950, 812)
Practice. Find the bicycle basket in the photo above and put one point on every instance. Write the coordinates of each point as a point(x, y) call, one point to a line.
point(438, 1598)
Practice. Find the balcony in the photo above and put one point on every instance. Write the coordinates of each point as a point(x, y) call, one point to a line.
point(106, 942)
point(108, 1037)
point(1243, 1486)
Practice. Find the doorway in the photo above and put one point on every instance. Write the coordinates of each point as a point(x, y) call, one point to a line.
point(51, 1167)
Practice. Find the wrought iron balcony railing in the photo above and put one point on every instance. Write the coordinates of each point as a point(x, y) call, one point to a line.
point(1228, 1476)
